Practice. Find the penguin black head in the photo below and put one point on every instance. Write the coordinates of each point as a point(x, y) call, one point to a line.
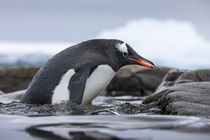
point(118, 53)
point(129, 57)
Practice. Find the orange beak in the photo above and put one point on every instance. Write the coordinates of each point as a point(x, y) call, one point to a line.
point(143, 62)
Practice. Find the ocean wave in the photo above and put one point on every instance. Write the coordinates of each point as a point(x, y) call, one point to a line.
point(166, 42)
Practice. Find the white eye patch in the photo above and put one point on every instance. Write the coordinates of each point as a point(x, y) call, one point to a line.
point(122, 47)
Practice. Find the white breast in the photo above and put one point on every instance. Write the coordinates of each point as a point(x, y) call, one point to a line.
point(61, 92)
point(97, 82)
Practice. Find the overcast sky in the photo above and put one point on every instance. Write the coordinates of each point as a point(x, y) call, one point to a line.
point(74, 21)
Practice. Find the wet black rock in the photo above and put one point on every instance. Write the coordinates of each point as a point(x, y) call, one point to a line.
point(136, 81)
point(184, 93)
point(16, 78)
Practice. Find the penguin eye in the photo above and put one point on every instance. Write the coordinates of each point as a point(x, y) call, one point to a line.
point(125, 54)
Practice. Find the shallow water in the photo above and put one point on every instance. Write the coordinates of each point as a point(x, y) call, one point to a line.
point(106, 127)
point(101, 106)
point(107, 118)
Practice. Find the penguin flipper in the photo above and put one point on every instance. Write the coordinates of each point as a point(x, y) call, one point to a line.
point(77, 84)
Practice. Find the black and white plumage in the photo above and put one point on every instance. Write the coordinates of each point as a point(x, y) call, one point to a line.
point(79, 73)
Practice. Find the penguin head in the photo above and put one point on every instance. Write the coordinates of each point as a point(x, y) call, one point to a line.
point(127, 56)
point(114, 52)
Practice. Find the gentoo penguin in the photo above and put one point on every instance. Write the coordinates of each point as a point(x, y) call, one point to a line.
point(79, 73)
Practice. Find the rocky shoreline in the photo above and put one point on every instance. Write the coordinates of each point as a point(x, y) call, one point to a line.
point(172, 91)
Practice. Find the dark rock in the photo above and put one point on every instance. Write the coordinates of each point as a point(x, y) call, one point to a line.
point(183, 93)
point(194, 76)
point(168, 81)
point(16, 78)
point(136, 81)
